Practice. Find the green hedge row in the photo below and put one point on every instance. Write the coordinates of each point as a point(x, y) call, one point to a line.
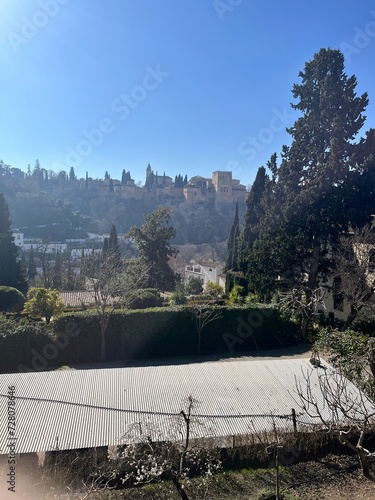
point(20, 343)
point(150, 333)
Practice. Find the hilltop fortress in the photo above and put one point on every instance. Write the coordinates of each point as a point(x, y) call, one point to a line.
point(220, 188)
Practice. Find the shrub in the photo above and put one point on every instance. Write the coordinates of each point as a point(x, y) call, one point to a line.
point(144, 299)
point(11, 299)
point(235, 295)
point(194, 286)
point(43, 303)
point(251, 298)
point(178, 297)
point(214, 290)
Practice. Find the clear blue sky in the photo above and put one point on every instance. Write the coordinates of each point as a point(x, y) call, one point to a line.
point(190, 86)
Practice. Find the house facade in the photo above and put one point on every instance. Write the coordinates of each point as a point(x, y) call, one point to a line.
point(206, 272)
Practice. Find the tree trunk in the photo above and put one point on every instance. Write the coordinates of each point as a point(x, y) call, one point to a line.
point(354, 311)
point(104, 320)
point(311, 286)
point(179, 487)
point(361, 453)
point(350, 318)
point(304, 325)
point(364, 465)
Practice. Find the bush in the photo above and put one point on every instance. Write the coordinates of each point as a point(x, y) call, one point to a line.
point(251, 298)
point(11, 299)
point(194, 286)
point(144, 299)
point(43, 303)
point(236, 295)
point(214, 290)
point(178, 297)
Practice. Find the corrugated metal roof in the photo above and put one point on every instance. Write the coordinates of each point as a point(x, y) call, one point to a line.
point(72, 409)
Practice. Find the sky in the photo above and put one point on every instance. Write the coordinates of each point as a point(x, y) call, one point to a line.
point(189, 86)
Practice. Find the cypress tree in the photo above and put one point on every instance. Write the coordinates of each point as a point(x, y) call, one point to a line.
point(231, 262)
point(57, 278)
point(105, 249)
point(113, 245)
point(10, 269)
point(253, 214)
point(72, 175)
point(123, 177)
point(31, 267)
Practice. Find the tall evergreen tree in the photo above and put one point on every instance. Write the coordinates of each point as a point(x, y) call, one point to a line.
point(320, 159)
point(154, 248)
point(72, 175)
point(70, 277)
point(10, 269)
point(57, 276)
point(113, 246)
point(31, 266)
point(307, 201)
point(150, 181)
point(105, 249)
point(253, 214)
point(123, 177)
point(231, 262)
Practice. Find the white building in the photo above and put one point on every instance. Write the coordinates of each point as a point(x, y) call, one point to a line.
point(207, 272)
point(18, 238)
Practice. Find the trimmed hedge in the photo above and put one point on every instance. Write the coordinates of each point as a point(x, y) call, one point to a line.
point(158, 332)
point(144, 299)
point(20, 344)
point(11, 299)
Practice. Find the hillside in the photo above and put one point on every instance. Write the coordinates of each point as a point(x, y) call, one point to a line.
point(48, 205)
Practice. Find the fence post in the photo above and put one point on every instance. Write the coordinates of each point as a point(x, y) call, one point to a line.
point(294, 420)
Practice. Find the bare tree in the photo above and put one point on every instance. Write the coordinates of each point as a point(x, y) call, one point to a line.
point(44, 253)
point(150, 455)
point(298, 301)
point(354, 274)
point(110, 281)
point(204, 314)
point(342, 409)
